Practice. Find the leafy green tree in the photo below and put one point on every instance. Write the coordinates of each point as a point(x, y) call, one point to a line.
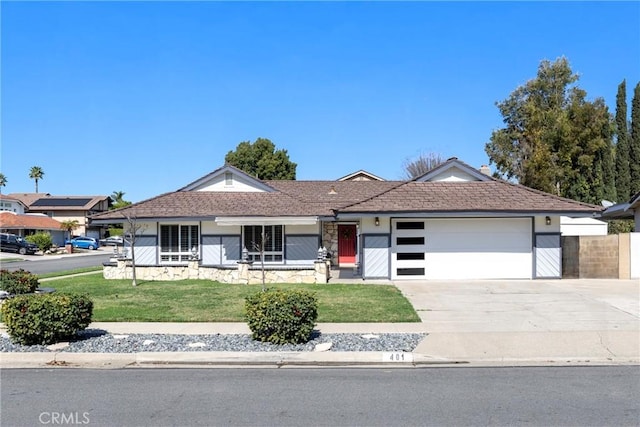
point(623, 179)
point(422, 164)
point(118, 200)
point(634, 146)
point(3, 181)
point(554, 140)
point(36, 173)
point(261, 160)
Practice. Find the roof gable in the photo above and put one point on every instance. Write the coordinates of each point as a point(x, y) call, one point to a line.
point(361, 175)
point(453, 170)
point(228, 179)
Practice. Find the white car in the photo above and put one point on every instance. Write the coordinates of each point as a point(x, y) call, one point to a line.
point(112, 241)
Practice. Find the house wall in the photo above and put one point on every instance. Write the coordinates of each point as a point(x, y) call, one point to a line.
point(540, 224)
point(634, 254)
point(11, 206)
point(453, 174)
point(582, 227)
point(218, 183)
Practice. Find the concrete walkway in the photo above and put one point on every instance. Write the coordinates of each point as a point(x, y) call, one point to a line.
point(495, 323)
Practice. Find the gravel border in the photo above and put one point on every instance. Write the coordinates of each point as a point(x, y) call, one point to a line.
point(99, 341)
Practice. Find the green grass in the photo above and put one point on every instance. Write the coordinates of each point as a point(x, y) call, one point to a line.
point(68, 272)
point(204, 301)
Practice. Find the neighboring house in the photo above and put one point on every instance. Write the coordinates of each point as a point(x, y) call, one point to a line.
point(27, 224)
point(11, 204)
point(451, 223)
point(68, 208)
point(360, 175)
point(628, 210)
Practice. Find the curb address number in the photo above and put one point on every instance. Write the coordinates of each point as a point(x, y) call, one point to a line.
point(397, 357)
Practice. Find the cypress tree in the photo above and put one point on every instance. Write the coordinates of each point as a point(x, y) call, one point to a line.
point(623, 179)
point(634, 146)
point(608, 171)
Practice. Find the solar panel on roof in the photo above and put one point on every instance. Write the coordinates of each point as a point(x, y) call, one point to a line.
point(52, 201)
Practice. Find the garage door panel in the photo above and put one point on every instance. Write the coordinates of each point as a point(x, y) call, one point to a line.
point(478, 248)
point(466, 265)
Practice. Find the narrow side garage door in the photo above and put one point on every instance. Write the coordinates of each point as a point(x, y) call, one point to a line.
point(465, 249)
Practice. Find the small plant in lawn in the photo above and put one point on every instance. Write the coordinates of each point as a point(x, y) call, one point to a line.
point(46, 318)
point(282, 316)
point(18, 282)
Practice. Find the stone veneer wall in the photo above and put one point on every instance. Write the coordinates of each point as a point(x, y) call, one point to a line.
point(244, 273)
point(330, 240)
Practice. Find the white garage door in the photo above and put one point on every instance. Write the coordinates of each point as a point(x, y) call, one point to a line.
point(462, 249)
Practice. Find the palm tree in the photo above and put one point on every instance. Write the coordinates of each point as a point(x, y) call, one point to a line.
point(117, 196)
point(36, 173)
point(3, 181)
point(69, 225)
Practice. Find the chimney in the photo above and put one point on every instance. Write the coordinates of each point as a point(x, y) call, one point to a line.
point(484, 169)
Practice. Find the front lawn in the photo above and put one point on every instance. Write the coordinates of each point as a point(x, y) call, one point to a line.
point(204, 301)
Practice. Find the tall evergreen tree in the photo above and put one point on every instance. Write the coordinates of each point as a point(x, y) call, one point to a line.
point(634, 146)
point(623, 179)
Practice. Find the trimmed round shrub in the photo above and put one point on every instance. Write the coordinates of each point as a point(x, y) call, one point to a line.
point(282, 316)
point(18, 282)
point(46, 318)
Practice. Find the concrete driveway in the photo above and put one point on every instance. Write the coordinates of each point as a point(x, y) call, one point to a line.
point(536, 320)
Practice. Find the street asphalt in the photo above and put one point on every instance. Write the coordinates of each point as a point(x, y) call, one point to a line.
point(479, 323)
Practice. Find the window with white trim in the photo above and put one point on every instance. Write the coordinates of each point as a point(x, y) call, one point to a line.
point(177, 242)
point(273, 248)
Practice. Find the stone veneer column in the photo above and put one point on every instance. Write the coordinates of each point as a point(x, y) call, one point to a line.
point(243, 272)
point(321, 270)
point(330, 239)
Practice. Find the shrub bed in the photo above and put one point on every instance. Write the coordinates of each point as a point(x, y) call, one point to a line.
point(282, 316)
point(18, 282)
point(46, 318)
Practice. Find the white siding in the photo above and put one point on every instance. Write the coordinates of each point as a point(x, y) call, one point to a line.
point(635, 254)
point(453, 174)
point(582, 227)
point(210, 227)
point(219, 183)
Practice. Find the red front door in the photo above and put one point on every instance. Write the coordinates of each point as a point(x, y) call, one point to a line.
point(347, 244)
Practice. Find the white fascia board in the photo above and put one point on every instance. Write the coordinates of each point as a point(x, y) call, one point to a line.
point(453, 214)
point(275, 220)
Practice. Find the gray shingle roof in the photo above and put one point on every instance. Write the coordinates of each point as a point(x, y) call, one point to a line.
point(326, 198)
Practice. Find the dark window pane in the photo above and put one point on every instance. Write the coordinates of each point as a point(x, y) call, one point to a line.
point(407, 256)
point(410, 271)
point(410, 240)
point(414, 225)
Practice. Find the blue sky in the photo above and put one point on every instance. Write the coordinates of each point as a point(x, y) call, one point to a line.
point(145, 97)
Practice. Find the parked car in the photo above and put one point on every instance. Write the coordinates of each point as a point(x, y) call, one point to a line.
point(112, 241)
point(12, 243)
point(84, 242)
